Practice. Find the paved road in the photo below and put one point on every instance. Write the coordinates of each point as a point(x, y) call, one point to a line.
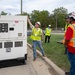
point(38, 67)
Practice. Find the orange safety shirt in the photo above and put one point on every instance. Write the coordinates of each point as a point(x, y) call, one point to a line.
point(68, 36)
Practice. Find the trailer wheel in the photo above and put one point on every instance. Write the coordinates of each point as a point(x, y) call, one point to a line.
point(25, 56)
point(23, 61)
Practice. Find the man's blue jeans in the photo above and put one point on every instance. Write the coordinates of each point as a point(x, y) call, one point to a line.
point(71, 58)
point(35, 43)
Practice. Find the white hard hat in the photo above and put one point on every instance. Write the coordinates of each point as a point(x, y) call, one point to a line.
point(49, 25)
point(72, 15)
point(38, 23)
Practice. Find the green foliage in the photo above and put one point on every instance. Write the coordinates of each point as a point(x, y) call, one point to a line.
point(25, 14)
point(46, 18)
point(55, 19)
point(3, 13)
point(60, 10)
point(60, 14)
point(42, 16)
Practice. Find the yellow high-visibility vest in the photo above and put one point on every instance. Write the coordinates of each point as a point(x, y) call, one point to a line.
point(48, 32)
point(36, 34)
point(66, 26)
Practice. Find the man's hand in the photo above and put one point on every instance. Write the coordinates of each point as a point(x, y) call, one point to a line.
point(66, 42)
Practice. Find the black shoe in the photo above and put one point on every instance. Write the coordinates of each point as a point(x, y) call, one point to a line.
point(43, 55)
point(34, 59)
point(32, 46)
point(67, 73)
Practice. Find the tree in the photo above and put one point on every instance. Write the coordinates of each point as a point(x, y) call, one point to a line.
point(59, 16)
point(60, 10)
point(25, 13)
point(3, 13)
point(42, 16)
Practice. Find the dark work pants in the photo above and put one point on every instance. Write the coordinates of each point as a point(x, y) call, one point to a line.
point(47, 38)
point(71, 58)
point(65, 50)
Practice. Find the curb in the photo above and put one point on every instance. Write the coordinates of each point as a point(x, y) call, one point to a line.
point(55, 68)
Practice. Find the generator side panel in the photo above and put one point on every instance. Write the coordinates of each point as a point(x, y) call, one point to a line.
point(12, 49)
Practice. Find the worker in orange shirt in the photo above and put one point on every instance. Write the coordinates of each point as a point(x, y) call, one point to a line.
point(66, 26)
point(69, 42)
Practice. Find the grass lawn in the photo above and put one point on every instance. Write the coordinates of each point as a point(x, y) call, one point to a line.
point(55, 51)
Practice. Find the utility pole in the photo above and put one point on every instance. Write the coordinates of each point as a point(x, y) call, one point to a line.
point(21, 7)
point(56, 22)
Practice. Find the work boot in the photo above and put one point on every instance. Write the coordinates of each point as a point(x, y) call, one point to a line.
point(67, 73)
point(34, 59)
point(32, 46)
point(43, 55)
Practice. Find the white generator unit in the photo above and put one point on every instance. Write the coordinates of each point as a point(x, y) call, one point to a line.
point(13, 38)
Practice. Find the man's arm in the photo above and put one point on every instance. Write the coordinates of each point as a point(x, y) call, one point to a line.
point(30, 22)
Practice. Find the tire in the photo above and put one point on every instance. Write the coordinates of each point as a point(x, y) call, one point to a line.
point(25, 56)
point(23, 61)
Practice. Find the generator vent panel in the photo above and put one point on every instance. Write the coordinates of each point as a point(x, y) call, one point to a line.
point(18, 43)
point(3, 27)
point(8, 44)
point(0, 45)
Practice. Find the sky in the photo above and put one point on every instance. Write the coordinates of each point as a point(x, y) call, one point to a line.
point(13, 6)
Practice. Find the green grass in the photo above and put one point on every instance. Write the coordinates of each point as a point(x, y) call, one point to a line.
point(55, 52)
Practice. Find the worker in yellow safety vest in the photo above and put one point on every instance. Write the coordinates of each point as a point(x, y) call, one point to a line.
point(48, 33)
point(36, 37)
